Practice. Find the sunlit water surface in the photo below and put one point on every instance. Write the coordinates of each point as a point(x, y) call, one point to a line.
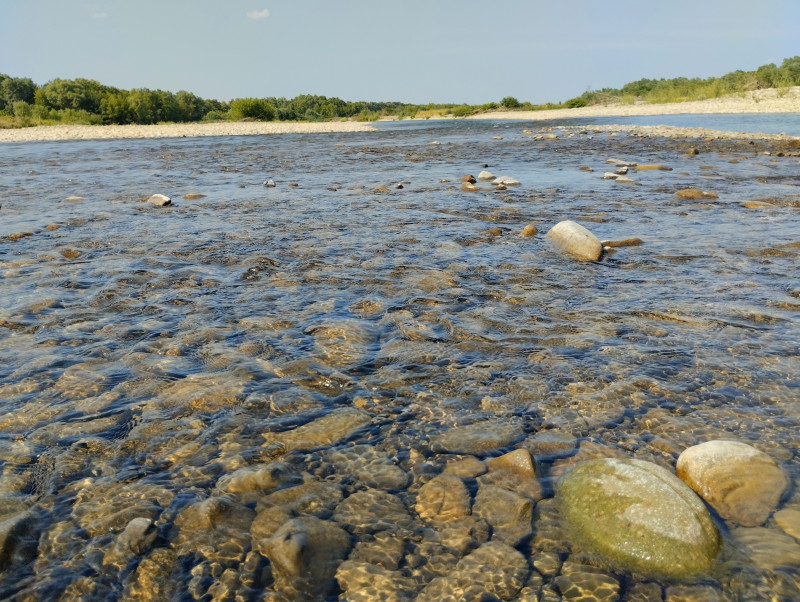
point(339, 332)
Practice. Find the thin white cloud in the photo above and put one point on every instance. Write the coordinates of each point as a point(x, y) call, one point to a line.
point(258, 14)
point(99, 15)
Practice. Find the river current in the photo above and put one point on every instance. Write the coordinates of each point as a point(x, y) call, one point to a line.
point(319, 350)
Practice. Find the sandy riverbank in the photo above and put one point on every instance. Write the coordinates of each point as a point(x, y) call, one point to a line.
point(175, 130)
point(760, 101)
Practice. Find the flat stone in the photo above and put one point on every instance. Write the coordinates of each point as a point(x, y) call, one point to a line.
point(576, 240)
point(364, 582)
point(493, 571)
point(371, 511)
point(443, 499)
point(193, 197)
point(506, 181)
point(788, 519)
point(486, 176)
point(638, 517)
point(478, 438)
point(743, 484)
point(768, 549)
point(695, 194)
point(588, 586)
point(653, 166)
point(627, 242)
point(334, 427)
point(469, 187)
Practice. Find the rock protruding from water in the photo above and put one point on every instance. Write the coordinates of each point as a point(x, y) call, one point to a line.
point(639, 517)
point(305, 553)
point(576, 240)
point(695, 194)
point(160, 200)
point(486, 176)
point(743, 484)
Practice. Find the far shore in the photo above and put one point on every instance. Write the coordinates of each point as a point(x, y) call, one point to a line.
point(760, 101)
point(42, 133)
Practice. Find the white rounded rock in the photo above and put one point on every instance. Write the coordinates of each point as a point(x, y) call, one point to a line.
point(576, 240)
point(743, 484)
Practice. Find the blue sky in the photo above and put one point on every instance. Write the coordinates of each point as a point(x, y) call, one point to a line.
point(415, 51)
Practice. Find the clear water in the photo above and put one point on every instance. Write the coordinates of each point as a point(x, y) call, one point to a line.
point(148, 353)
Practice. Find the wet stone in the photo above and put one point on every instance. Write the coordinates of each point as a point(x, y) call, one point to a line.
point(365, 582)
point(254, 479)
point(385, 549)
point(478, 438)
point(138, 538)
point(551, 444)
point(788, 520)
point(305, 553)
point(343, 343)
point(493, 571)
point(336, 426)
point(443, 499)
point(311, 497)
point(576, 240)
point(740, 482)
point(692, 593)
point(465, 534)
point(509, 514)
point(152, 578)
point(588, 586)
point(467, 468)
point(638, 516)
point(371, 511)
point(370, 466)
point(768, 549)
point(216, 529)
point(695, 194)
point(18, 539)
point(107, 506)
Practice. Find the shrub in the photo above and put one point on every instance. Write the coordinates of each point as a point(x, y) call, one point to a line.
point(252, 108)
point(461, 111)
point(574, 103)
point(509, 102)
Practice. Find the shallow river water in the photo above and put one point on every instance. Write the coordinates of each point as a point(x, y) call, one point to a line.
point(271, 375)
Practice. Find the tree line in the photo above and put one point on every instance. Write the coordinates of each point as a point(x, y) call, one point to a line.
point(24, 103)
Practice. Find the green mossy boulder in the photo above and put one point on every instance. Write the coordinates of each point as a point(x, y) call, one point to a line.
point(639, 517)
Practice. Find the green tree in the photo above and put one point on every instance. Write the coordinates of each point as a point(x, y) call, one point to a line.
point(15, 89)
point(509, 102)
point(252, 108)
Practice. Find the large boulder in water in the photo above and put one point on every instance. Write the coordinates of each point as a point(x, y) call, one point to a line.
point(638, 517)
point(576, 240)
point(740, 482)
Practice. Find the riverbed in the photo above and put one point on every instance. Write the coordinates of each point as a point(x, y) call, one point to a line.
point(319, 350)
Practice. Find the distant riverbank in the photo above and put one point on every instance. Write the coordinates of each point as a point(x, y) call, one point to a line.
point(176, 130)
point(760, 101)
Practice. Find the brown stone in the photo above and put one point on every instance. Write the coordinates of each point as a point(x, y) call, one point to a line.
point(469, 178)
point(652, 166)
point(743, 484)
point(529, 230)
point(193, 197)
point(695, 194)
point(70, 253)
point(468, 187)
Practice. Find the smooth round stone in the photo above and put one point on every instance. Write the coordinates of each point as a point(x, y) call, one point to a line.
point(639, 517)
point(576, 240)
point(743, 484)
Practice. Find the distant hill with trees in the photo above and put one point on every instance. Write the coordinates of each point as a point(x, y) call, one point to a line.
point(24, 103)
